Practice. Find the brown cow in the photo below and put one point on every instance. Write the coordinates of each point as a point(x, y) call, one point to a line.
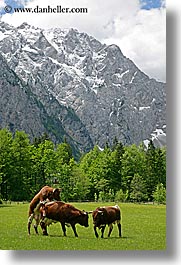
point(103, 216)
point(46, 193)
point(64, 213)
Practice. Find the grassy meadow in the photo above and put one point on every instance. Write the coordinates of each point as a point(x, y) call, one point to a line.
point(143, 228)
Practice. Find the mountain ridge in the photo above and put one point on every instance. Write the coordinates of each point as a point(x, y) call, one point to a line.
point(105, 89)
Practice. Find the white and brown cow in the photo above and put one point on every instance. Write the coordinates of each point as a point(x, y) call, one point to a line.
point(103, 216)
point(45, 194)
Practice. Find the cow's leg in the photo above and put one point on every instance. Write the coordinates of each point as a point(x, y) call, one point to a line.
point(37, 219)
point(119, 228)
point(36, 228)
point(96, 234)
point(102, 231)
point(74, 229)
point(30, 219)
point(63, 228)
point(110, 229)
point(44, 228)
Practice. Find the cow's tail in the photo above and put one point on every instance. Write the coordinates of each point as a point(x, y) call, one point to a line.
point(118, 214)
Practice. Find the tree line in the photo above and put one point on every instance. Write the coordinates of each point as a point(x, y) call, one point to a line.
point(116, 173)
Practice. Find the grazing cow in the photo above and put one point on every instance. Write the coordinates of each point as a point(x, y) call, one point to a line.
point(46, 193)
point(103, 216)
point(64, 213)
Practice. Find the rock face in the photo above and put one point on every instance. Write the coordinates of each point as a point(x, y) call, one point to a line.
point(104, 92)
point(20, 110)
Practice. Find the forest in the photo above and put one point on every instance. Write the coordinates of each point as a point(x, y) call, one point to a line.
point(126, 173)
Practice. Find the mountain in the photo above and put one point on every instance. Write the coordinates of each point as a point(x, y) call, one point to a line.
point(105, 93)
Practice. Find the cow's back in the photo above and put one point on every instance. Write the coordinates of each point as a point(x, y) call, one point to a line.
point(61, 211)
point(113, 214)
point(53, 210)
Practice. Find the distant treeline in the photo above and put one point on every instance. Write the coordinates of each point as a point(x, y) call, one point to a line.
point(120, 173)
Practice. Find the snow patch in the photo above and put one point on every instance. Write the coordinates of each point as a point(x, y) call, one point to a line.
point(2, 36)
point(143, 108)
point(158, 132)
point(28, 49)
point(122, 74)
point(133, 77)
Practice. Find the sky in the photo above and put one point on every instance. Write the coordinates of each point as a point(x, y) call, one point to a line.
point(138, 27)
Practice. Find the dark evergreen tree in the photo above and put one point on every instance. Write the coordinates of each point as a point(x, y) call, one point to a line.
point(138, 189)
point(151, 169)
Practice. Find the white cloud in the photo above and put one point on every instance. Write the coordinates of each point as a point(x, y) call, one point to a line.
point(143, 40)
point(2, 4)
point(139, 33)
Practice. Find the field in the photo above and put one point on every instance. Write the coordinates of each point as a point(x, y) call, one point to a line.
point(143, 228)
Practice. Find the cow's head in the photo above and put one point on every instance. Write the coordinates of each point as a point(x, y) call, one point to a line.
point(98, 217)
point(83, 218)
point(54, 194)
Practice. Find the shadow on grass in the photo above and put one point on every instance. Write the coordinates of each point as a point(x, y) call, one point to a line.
point(115, 237)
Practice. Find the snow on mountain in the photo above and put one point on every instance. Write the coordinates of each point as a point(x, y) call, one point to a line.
point(158, 137)
point(108, 93)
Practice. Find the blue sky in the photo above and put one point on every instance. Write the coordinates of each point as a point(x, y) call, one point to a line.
point(11, 3)
point(149, 4)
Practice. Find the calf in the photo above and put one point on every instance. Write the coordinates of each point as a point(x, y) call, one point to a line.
point(46, 193)
point(103, 216)
point(64, 213)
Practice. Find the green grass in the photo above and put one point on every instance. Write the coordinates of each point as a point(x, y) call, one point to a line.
point(143, 228)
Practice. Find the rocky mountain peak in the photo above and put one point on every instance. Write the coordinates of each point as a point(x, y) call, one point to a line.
point(108, 94)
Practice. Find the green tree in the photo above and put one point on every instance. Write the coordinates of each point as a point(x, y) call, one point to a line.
point(116, 165)
point(44, 163)
point(89, 165)
point(64, 174)
point(64, 153)
point(120, 196)
point(159, 195)
point(18, 183)
point(41, 139)
point(138, 189)
point(79, 183)
point(155, 168)
point(5, 162)
point(133, 162)
point(160, 167)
